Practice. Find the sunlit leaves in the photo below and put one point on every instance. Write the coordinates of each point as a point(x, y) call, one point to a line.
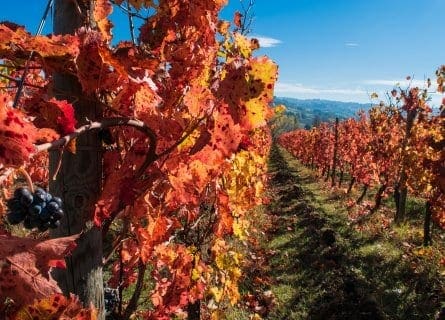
point(208, 142)
point(228, 264)
point(138, 4)
point(17, 134)
point(57, 52)
point(102, 10)
point(440, 73)
point(389, 146)
point(56, 306)
point(178, 278)
point(262, 77)
point(54, 114)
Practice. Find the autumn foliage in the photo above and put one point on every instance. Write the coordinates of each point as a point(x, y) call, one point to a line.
point(179, 181)
point(391, 147)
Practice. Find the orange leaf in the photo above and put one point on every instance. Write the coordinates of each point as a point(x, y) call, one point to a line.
point(237, 19)
point(16, 134)
point(56, 306)
point(102, 10)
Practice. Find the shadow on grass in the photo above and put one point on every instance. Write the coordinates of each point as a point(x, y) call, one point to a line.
point(323, 269)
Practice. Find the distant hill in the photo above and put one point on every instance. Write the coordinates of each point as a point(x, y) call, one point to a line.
point(311, 111)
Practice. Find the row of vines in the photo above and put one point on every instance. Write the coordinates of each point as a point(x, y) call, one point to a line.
point(396, 148)
point(183, 120)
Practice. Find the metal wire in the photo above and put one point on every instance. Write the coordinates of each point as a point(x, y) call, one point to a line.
point(21, 82)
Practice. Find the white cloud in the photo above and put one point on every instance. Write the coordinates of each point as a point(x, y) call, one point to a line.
point(396, 82)
point(351, 44)
point(267, 42)
point(298, 90)
point(358, 94)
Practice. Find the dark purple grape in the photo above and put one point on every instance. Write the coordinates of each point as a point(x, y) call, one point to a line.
point(54, 224)
point(29, 223)
point(49, 197)
point(35, 210)
point(14, 205)
point(58, 214)
point(40, 196)
point(15, 217)
point(19, 192)
point(52, 207)
point(58, 201)
point(39, 209)
point(26, 199)
point(45, 215)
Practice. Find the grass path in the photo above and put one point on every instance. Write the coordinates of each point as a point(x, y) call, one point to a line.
point(325, 269)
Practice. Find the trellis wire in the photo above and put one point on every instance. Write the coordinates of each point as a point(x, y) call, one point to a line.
point(21, 82)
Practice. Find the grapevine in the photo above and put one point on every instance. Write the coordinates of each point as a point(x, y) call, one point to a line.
point(394, 147)
point(184, 114)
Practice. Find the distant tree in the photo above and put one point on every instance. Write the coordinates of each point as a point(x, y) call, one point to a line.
point(316, 121)
point(285, 122)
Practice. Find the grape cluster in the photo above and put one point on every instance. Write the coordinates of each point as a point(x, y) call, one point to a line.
point(111, 298)
point(37, 210)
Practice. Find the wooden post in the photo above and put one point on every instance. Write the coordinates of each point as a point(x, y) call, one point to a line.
point(351, 184)
point(378, 197)
point(334, 160)
point(427, 239)
point(328, 171)
point(401, 190)
point(362, 196)
point(340, 180)
point(78, 182)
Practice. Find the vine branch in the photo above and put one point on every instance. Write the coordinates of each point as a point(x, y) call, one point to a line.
point(104, 124)
point(132, 305)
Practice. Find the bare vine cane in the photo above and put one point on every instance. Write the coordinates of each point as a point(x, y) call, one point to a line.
point(21, 81)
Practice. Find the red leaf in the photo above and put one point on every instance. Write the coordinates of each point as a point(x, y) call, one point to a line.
point(54, 114)
point(58, 52)
point(25, 264)
point(226, 134)
point(16, 134)
point(66, 119)
point(237, 19)
point(57, 264)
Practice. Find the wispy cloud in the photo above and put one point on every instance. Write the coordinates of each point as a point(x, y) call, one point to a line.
point(351, 44)
point(267, 42)
point(298, 90)
point(396, 82)
point(356, 92)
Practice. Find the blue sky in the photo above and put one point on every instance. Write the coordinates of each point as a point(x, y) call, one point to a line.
point(341, 50)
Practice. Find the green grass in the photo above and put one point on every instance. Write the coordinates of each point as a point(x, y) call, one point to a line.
point(367, 274)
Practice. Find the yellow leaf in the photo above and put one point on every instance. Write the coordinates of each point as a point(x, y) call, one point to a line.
point(239, 228)
point(243, 44)
point(280, 109)
point(196, 275)
point(217, 293)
